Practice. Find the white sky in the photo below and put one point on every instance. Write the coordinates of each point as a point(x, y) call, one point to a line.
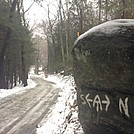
point(37, 13)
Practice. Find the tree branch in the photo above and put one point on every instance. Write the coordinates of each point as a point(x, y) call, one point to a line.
point(29, 7)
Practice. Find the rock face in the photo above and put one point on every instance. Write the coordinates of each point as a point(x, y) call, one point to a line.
point(104, 76)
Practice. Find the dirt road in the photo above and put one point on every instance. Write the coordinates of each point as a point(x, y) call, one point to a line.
point(20, 114)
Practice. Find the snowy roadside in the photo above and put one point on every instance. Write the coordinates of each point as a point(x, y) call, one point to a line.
point(64, 116)
point(17, 90)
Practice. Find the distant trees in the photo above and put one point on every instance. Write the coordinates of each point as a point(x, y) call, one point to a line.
point(16, 48)
point(41, 52)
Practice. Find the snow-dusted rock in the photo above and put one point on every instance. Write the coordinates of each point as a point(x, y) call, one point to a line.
point(104, 75)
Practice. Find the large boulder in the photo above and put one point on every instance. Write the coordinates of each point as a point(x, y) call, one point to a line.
point(104, 76)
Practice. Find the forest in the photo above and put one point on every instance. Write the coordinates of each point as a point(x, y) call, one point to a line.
point(18, 50)
point(73, 18)
point(16, 47)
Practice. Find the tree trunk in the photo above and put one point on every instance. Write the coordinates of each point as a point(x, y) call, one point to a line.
point(3, 58)
point(66, 18)
point(53, 40)
point(99, 11)
point(37, 62)
point(124, 9)
point(106, 10)
point(15, 76)
point(61, 38)
point(24, 73)
point(81, 21)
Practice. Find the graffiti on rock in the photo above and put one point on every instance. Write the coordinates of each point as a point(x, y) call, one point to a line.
point(123, 106)
point(103, 104)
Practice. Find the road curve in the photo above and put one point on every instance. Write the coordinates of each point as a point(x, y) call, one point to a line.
point(20, 114)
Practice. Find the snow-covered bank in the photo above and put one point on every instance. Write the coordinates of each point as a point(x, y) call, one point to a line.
point(64, 116)
point(18, 89)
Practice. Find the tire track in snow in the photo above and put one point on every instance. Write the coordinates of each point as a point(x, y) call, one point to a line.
point(30, 117)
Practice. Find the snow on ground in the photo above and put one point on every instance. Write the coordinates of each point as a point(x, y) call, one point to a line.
point(64, 116)
point(17, 90)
